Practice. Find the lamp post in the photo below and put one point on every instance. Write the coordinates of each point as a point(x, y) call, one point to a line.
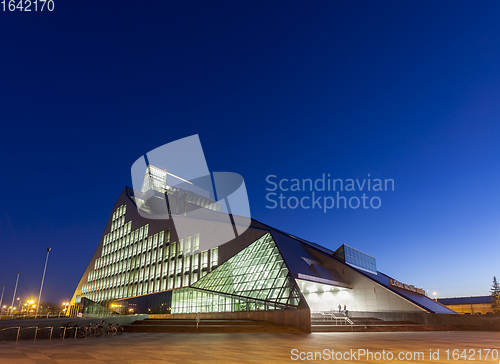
point(1, 298)
point(14, 297)
point(65, 304)
point(31, 305)
point(41, 286)
point(435, 297)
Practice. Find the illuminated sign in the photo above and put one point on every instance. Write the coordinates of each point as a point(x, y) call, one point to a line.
point(407, 287)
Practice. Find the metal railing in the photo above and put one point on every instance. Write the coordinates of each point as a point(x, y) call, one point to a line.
point(32, 316)
point(330, 316)
point(41, 332)
point(19, 329)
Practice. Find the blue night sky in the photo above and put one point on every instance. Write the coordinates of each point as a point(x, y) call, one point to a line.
point(407, 91)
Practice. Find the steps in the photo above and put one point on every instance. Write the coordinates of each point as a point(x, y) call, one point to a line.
point(206, 326)
point(360, 324)
point(382, 328)
point(373, 324)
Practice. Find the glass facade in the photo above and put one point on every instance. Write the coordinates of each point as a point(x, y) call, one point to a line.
point(193, 300)
point(156, 303)
point(356, 258)
point(134, 262)
point(254, 279)
point(88, 307)
point(156, 179)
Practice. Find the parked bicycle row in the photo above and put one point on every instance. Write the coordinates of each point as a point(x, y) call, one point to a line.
point(63, 332)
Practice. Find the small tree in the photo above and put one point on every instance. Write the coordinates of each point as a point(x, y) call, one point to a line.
point(495, 296)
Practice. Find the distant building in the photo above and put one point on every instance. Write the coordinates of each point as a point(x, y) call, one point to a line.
point(468, 305)
point(142, 265)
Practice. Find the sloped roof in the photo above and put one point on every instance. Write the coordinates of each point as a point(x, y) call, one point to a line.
point(422, 301)
point(297, 256)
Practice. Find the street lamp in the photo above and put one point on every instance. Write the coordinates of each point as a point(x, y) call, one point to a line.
point(41, 286)
point(30, 305)
point(1, 298)
point(14, 297)
point(65, 304)
point(435, 297)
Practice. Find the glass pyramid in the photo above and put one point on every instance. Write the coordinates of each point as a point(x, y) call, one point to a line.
point(254, 279)
point(258, 271)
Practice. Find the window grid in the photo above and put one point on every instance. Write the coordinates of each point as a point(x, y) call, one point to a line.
point(134, 263)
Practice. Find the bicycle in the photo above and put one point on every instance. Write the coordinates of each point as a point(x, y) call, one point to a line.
point(111, 330)
point(82, 332)
point(88, 330)
point(98, 330)
point(119, 329)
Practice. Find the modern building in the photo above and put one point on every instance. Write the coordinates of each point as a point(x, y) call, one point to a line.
point(142, 265)
point(474, 305)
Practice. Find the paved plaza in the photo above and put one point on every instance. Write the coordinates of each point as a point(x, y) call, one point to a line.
point(248, 348)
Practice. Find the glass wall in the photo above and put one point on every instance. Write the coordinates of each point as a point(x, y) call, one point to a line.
point(193, 300)
point(156, 303)
point(90, 308)
point(356, 258)
point(254, 279)
point(135, 262)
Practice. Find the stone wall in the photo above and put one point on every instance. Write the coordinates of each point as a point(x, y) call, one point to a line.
point(300, 318)
point(468, 322)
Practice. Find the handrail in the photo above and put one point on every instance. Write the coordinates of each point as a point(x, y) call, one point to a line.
point(333, 317)
point(30, 317)
point(77, 329)
point(37, 329)
point(13, 327)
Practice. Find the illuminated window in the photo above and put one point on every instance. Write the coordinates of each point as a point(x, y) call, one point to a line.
point(158, 257)
point(179, 267)
point(180, 248)
point(204, 262)
point(187, 246)
point(214, 257)
point(173, 248)
point(166, 253)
